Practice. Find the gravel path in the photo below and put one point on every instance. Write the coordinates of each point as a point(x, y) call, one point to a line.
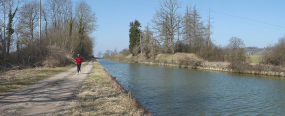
point(45, 97)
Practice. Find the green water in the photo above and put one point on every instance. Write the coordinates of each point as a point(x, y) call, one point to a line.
point(175, 91)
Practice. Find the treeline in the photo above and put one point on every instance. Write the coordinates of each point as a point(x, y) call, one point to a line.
point(172, 32)
point(65, 29)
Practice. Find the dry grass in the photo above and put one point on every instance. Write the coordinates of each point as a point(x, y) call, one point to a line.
point(14, 79)
point(178, 57)
point(99, 95)
point(216, 64)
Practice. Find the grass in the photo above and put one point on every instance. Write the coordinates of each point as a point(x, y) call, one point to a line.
point(98, 96)
point(254, 59)
point(15, 79)
point(177, 57)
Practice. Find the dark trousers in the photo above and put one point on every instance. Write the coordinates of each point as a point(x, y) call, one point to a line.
point(78, 67)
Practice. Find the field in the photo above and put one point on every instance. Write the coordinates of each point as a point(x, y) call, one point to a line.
point(254, 59)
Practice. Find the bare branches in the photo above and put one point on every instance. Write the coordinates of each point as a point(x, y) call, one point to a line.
point(236, 50)
point(166, 22)
point(86, 24)
point(28, 20)
point(60, 29)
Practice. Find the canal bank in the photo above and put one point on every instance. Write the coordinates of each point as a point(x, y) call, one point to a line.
point(165, 90)
point(101, 94)
point(185, 60)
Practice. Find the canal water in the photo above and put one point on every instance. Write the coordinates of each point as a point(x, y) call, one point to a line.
point(176, 91)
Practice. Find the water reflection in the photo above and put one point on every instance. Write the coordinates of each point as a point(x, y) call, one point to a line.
point(174, 91)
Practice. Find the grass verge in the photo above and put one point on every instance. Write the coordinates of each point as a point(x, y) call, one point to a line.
point(99, 95)
point(15, 79)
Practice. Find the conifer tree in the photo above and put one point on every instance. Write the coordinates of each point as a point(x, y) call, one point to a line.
point(134, 35)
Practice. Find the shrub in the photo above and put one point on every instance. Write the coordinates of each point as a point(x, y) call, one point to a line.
point(275, 54)
point(125, 52)
point(57, 57)
point(240, 67)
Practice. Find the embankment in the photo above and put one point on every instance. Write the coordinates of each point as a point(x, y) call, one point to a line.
point(102, 95)
point(185, 60)
point(133, 100)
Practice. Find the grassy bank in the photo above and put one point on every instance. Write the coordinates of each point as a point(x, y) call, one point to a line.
point(188, 60)
point(101, 95)
point(14, 79)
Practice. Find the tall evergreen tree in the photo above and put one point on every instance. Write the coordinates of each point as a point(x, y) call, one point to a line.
point(134, 35)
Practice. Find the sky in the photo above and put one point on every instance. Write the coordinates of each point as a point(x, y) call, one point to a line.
point(259, 23)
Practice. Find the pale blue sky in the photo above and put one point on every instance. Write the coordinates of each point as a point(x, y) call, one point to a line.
point(257, 22)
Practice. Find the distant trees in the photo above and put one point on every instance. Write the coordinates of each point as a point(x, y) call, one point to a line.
point(99, 54)
point(169, 26)
point(172, 32)
point(134, 36)
point(107, 53)
point(125, 52)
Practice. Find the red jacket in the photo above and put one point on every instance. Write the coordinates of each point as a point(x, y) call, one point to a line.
point(78, 60)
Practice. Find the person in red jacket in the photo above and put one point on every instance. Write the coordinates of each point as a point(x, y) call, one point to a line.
point(78, 61)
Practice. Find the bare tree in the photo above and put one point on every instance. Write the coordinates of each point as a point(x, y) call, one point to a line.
point(187, 28)
point(166, 22)
point(60, 14)
point(28, 20)
point(148, 43)
point(12, 9)
point(198, 30)
point(236, 49)
point(45, 17)
point(86, 23)
point(4, 6)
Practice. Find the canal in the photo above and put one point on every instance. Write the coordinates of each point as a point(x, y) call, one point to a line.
point(177, 91)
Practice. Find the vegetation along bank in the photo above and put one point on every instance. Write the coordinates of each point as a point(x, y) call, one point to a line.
point(188, 60)
point(184, 40)
point(101, 94)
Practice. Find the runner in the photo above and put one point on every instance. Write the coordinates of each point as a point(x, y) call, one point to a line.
point(78, 61)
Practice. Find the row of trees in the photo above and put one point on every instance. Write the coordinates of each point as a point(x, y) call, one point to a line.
point(63, 26)
point(173, 32)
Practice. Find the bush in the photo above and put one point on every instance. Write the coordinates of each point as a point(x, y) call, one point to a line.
point(30, 55)
point(125, 52)
point(57, 57)
point(240, 67)
point(262, 67)
point(275, 54)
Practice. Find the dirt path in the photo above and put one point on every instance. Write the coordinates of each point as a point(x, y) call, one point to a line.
point(45, 97)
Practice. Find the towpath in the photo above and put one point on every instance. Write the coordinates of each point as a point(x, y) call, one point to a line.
point(45, 97)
